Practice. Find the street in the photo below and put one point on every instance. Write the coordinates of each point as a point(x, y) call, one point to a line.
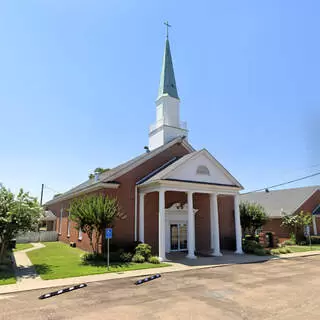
point(281, 289)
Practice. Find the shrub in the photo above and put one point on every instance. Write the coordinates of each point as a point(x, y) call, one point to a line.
point(144, 250)
point(288, 243)
point(288, 250)
point(259, 252)
point(275, 251)
point(283, 250)
point(92, 257)
point(249, 246)
point(302, 243)
point(315, 239)
point(154, 260)
point(138, 258)
point(126, 256)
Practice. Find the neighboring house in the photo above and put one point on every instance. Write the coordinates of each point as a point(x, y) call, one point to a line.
point(287, 201)
point(175, 198)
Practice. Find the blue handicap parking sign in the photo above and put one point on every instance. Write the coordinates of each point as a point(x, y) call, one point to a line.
point(109, 233)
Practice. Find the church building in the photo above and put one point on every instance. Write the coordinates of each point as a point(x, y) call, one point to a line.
point(175, 198)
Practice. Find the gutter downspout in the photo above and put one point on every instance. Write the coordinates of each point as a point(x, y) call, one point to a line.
point(135, 212)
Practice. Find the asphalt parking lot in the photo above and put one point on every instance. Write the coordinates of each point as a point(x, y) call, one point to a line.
point(282, 289)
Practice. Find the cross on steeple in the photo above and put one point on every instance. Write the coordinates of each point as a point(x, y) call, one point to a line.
point(166, 23)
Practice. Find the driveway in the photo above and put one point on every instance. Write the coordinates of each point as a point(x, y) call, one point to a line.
point(277, 289)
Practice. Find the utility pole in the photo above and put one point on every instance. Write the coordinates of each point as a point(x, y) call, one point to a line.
point(41, 197)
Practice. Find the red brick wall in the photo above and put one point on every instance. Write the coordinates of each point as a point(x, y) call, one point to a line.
point(274, 225)
point(201, 202)
point(123, 230)
point(309, 205)
point(226, 222)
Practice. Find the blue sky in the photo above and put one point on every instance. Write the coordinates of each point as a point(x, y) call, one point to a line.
point(79, 80)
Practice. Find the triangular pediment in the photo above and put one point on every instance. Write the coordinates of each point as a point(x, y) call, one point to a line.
point(198, 167)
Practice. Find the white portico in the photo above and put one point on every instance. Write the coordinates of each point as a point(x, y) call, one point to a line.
point(194, 173)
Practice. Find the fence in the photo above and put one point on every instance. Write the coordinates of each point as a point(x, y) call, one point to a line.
point(44, 236)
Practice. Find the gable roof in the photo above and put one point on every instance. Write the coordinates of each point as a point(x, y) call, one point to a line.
point(108, 177)
point(168, 170)
point(278, 202)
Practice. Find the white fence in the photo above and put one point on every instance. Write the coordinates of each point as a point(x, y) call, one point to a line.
point(44, 236)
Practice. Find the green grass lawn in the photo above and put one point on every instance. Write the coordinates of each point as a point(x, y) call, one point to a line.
point(58, 260)
point(22, 246)
point(295, 248)
point(6, 273)
point(314, 247)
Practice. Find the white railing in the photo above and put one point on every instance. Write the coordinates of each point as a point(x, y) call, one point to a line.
point(156, 125)
point(44, 236)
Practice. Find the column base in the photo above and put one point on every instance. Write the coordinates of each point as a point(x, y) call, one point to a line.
point(162, 259)
point(217, 254)
point(191, 256)
point(239, 252)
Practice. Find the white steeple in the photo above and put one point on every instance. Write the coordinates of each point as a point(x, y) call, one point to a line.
point(167, 126)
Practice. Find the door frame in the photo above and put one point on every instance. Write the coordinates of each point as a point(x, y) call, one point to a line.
point(178, 224)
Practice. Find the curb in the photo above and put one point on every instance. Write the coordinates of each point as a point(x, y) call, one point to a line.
point(192, 268)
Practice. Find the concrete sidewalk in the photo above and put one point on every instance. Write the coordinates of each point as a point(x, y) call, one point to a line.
point(181, 265)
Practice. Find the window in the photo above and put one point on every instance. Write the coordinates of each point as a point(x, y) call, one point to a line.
point(80, 234)
point(69, 222)
point(60, 220)
point(203, 170)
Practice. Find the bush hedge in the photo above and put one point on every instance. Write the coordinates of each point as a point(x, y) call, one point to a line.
point(138, 258)
point(315, 239)
point(154, 260)
point(249, 246)
point(144, 250)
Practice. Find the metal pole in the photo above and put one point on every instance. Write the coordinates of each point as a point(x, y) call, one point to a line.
point(108, 253)
point(41, 196)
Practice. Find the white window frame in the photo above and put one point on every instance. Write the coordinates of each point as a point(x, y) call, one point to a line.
point(60, 220)
point(80, 234)
point(68, 227)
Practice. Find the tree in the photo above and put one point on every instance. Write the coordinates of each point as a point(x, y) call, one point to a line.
point(295, 223)
point(93, 214)
point(18, 213)
point(97, 170)
point(252, 216)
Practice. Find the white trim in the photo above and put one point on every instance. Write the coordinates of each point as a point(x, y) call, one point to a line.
point(93, 187)
point(141, 217)
point(314, 223)
point(191, 227)
point(68, 226)
point(215, 224)
point(314, 191)
point(162, 226)
point(80, 234)
point(237, 225)
point(175, 215)
point(170, 170)
point(182, 186)
point(135, 213)
point(60, 220)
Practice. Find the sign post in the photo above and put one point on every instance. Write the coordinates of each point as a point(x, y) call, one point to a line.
point(307, 234)
point(108, 237)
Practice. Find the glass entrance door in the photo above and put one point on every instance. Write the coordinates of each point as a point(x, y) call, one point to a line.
point(178, 237)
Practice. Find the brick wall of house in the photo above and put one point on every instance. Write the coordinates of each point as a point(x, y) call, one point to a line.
point(226, 222)
point(123, 230)
point(274, 225)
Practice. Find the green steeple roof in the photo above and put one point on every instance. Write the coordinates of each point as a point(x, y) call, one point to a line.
point(167, 79)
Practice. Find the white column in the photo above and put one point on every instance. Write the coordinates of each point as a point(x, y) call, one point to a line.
point(191, 227)
point(215, 232)
point(237, 225)
point(162, 226)
point(315, 231)
point(141, 217)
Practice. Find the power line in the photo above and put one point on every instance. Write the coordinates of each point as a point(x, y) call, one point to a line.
point(55, 191)
point(284, 183)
